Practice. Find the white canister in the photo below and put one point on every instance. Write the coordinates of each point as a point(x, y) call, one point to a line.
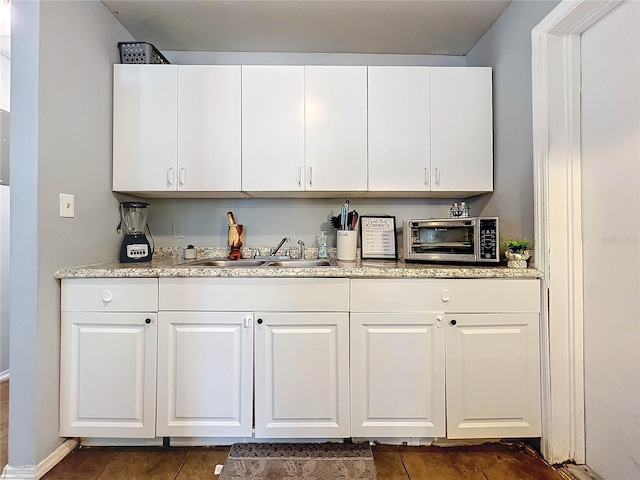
point(189, 253)
point(346, 244)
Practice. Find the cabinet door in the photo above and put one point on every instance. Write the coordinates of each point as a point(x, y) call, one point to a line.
point(397, 375)
point(399, 132)
point(302, 375)
point(461, 129)
point(493, 376)
point(272, 128)
point(108, 375)
point(209, 128)
point(145, 104)
point(205, 374)
point(336, 128)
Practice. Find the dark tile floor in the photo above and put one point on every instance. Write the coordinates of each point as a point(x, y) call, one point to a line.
point(487, 462)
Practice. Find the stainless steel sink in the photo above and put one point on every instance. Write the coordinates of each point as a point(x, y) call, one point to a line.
point(303, 263)
point(222, 263)
point(251, 263)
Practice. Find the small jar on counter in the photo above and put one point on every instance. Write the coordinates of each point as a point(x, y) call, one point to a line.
point(189, 253)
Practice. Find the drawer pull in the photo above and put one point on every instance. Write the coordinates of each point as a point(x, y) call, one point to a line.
point(445, 296)
point(107, 296)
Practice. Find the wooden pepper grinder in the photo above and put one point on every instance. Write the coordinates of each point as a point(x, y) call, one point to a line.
point(234, 238)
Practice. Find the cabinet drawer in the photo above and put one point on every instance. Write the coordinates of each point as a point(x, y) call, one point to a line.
point(493, 295)
point(272, 294)
point(109, 295)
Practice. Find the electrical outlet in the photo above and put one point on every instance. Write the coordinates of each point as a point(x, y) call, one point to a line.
point(67, 207)
point(177, 230)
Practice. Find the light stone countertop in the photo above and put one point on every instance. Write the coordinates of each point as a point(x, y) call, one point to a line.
point(169, 267)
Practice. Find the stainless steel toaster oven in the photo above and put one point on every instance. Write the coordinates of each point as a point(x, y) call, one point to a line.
point(464, 240)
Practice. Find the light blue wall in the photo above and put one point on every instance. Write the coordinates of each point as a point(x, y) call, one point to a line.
point(507, 48)
point(61, 101)
point(266, 221)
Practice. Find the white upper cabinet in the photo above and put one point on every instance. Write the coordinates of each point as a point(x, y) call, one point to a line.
point(304, 129)
point(399, 132)
point(177, 129)
point(145, 108)
point(430, 130)
point(209, 128)
point(461, 129)
point(272, 128)
point(336, 128)
point(315, 131)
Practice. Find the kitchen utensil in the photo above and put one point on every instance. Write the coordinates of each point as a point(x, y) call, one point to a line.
point(335, 222)
point(232, 221)
point(234, 240)
point(133, 221)
point(352, 220)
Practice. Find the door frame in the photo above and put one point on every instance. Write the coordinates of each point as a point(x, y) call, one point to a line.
point(556, 71)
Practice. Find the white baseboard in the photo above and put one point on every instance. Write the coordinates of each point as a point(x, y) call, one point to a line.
point(4, 375)
point(578, 472)
point(22, 472)
point(120, 442)
point(36, 472)
point(55, 457)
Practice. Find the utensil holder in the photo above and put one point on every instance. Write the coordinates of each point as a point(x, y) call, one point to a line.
point(346, 245)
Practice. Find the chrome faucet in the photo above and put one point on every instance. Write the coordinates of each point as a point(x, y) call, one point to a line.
point(301, 243)
point(274, 251)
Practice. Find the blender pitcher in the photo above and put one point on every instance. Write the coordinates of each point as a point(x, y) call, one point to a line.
point(133, 221)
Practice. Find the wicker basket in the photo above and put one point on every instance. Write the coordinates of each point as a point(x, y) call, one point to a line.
point(140, 52)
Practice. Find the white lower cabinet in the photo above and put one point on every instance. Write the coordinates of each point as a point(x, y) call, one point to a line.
point(397, 375)
point(300, 358)
point(108, 358)
point(205, 373)
point(212, 353)
point(405, 333)
point(302, 375)
point(493, 376)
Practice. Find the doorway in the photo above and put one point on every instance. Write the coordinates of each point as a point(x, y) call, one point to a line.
point(586, 155)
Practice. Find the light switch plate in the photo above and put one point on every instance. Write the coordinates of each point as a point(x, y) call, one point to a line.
point(67, 208)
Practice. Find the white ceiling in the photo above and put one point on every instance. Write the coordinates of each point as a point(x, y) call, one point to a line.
point(437, 27)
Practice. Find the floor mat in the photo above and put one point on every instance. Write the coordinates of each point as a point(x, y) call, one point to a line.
point(308, 461)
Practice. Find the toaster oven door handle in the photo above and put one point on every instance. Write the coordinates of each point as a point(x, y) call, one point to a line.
point(461, 223)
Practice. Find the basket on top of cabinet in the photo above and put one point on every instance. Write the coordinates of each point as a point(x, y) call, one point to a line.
point(140, 52)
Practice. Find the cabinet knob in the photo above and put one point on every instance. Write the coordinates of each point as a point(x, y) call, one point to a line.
point(259, 321)
point(445, 296)
point(147, 321)
point(107, 296)
point(452, 322)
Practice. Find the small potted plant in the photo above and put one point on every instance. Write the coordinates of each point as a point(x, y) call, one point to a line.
point(517, 251)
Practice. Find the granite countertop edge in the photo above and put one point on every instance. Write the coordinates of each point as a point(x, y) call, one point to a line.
point(356, 269)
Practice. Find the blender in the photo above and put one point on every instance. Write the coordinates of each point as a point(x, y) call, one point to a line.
point(133, 221)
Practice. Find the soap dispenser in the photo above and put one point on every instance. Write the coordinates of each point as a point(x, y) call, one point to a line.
point(322, 245)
